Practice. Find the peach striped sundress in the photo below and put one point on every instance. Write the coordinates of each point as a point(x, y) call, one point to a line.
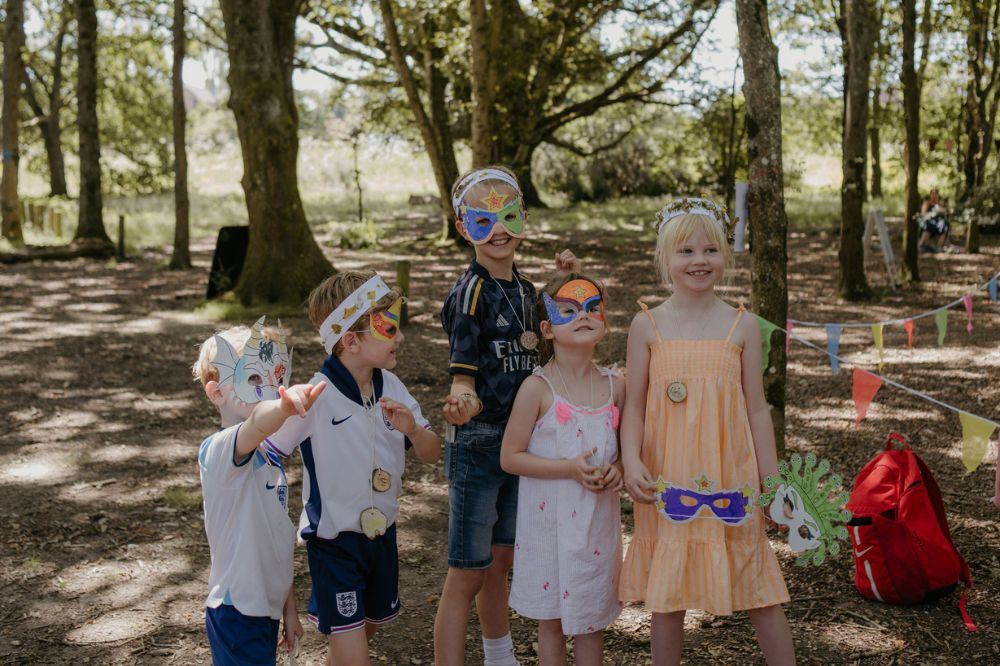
point(702, 449)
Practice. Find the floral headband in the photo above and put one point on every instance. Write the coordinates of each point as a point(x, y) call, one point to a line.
point(693, 206)
point(477, 177)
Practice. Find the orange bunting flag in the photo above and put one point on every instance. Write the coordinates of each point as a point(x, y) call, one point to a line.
point(866, 385)
point(967, 301)
point(877, 330)
point(908, 326)
point(941, 319)
point(976, 433)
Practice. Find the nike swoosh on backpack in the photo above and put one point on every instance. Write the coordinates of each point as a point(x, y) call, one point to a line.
point(336, 422)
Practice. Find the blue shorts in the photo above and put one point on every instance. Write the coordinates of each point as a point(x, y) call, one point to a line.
point(240, 640)
point(482, 497)
point(354, 580)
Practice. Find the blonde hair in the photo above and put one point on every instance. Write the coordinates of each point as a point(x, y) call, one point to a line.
point(481, 190)
point(545, 348)
point(677, 230)
point(203, 370)
point(334, 290)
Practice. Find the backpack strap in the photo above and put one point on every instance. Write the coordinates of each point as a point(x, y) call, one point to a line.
point(896, 437)
point(934, 495)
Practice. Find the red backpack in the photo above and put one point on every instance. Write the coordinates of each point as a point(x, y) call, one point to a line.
point(903, 553)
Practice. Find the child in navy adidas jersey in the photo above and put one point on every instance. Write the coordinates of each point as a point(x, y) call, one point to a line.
point(353, 443)
point(251, 539)
point(492, 338)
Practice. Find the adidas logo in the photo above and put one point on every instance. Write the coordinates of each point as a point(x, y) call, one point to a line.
point(501, 322)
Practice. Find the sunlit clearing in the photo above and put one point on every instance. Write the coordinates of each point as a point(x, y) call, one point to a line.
point(38, 471)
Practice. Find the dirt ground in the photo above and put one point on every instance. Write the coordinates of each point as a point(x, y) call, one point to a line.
point(104, 558)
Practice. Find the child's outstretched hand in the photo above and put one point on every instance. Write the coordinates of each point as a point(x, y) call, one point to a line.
point(399, 416)
point(638, 483)
point(299, 398)
point(566, 262)
point(587, 475)
point(456, 410)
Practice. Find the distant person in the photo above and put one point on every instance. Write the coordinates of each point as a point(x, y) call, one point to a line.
point(562, 440)
point(245, 491)
point(934, 226)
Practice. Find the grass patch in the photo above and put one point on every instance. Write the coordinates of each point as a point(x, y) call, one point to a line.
point(228, 308)
point(181, 498)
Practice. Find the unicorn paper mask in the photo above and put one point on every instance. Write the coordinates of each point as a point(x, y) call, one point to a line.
point(257, 373)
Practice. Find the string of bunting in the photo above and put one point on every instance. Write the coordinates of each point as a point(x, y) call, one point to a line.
point(976, 430)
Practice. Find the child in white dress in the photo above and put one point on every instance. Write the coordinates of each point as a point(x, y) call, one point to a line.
point(562, 440)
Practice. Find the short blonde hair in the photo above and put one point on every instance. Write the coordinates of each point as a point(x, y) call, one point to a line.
point(334, 290)
point(481, 190)
point(203, 370)
point(677, 230)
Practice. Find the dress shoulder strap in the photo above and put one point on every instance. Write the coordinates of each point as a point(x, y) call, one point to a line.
point(538, 372)
point(645, 308)
point(739, 315)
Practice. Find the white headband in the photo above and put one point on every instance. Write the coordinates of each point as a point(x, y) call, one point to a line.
point(350, 311)
point(479, 176)
point(692, 206)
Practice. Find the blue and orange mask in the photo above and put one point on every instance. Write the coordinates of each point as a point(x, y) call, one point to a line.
point(573, 299)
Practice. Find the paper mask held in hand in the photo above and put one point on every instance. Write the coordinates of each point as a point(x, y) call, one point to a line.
point(799, 499)
point(481, 223)
point(257, 373)
point(571, 300)
point(679, 505)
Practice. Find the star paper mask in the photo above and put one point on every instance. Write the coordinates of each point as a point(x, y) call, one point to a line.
point(257, 373)
point(355, 306)
point(573, 299)
point(481, 223)
point(679, 505)
point(812, 508)
point(385, 325)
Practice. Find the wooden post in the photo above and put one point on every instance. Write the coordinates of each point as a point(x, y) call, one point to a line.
point(24, 212)
point(403, 282)
point(50, 217)
point(121, 237)
point(57, 223)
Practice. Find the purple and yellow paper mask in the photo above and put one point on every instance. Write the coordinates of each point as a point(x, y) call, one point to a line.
point(679, 505)
point(481, 223)
point(257, 373)
point(573, 299)
point(385, 325)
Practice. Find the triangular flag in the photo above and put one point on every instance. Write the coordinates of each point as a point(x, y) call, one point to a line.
point(833, 346)
point(766, 329)
point(976, 433)
point(788, 335)
point(967, 301)
point(877, 335)
point(908, 325)
point(866, 385)
point(993, 289)
point(941, 319)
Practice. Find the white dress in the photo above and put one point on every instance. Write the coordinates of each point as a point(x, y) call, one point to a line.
point(568, 549)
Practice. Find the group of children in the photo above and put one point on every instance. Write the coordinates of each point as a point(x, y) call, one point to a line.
point(540, 442)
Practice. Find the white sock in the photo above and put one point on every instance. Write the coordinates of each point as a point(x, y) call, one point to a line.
point(499, 651)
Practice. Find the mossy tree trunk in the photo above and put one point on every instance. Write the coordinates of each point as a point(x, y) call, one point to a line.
point(283, 261)
point(181, 257)
point(765, 192)
point(13, 73)
point(910, 268)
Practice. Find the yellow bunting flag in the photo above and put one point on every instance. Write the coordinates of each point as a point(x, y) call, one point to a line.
point(879, 344)
point(941, 319)
point(976, 433)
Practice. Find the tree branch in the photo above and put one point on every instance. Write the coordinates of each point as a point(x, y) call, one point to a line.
point(583, 152)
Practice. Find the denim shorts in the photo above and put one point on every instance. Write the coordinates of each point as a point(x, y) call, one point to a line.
point(482, 497)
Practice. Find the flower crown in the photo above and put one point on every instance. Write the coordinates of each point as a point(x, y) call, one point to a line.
point(694, 206)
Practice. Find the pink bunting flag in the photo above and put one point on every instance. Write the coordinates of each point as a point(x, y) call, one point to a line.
point(967, 301)
point(908, 325)
point(866, 385)
point(788, 335)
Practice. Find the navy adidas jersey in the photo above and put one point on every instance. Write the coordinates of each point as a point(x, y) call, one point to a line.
point(484, 319)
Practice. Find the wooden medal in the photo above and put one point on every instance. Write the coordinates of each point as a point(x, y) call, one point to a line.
point(381, 480)
point(529, 340)
point(373, 523)
point(677, 392)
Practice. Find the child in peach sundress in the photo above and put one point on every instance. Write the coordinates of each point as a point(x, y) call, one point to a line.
point(697, 440)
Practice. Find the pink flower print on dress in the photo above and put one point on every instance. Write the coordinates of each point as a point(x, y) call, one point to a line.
point(563, 413)
point(579, 432)
point(565, 594)
point(597, 552)
point(574, 514)
point(541, 506)
point(517, 546)
point(546, 585)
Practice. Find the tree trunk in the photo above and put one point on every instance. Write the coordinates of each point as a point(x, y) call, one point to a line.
point(910, 268)
point(874, 135)
point(90, 227)
point(860, 24)
point(482, 93)
point(765, 191)
point(13, 73)
point(181, 258)
point(283, 261)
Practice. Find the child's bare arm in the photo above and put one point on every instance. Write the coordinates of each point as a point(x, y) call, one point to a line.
point(291, 630)
point(638, 481)
point(269, 415)
point(758, 411)
point(426, 443)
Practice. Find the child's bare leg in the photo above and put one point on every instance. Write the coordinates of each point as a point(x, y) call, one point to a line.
point(551, 643)
point(666, 638)
point(460, 588)
point(588, 649)
point(350, 648)
point(773, 635)
point(491, 602)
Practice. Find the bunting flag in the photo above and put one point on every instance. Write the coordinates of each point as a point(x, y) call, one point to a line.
point(866, 385)
point(941, 319)
point(908, 325)
point(833, 345)
point(976, 433)
point(967, 301)
point(788, 335)
point(879, 344)
point(766, 329)
point(993, 289)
